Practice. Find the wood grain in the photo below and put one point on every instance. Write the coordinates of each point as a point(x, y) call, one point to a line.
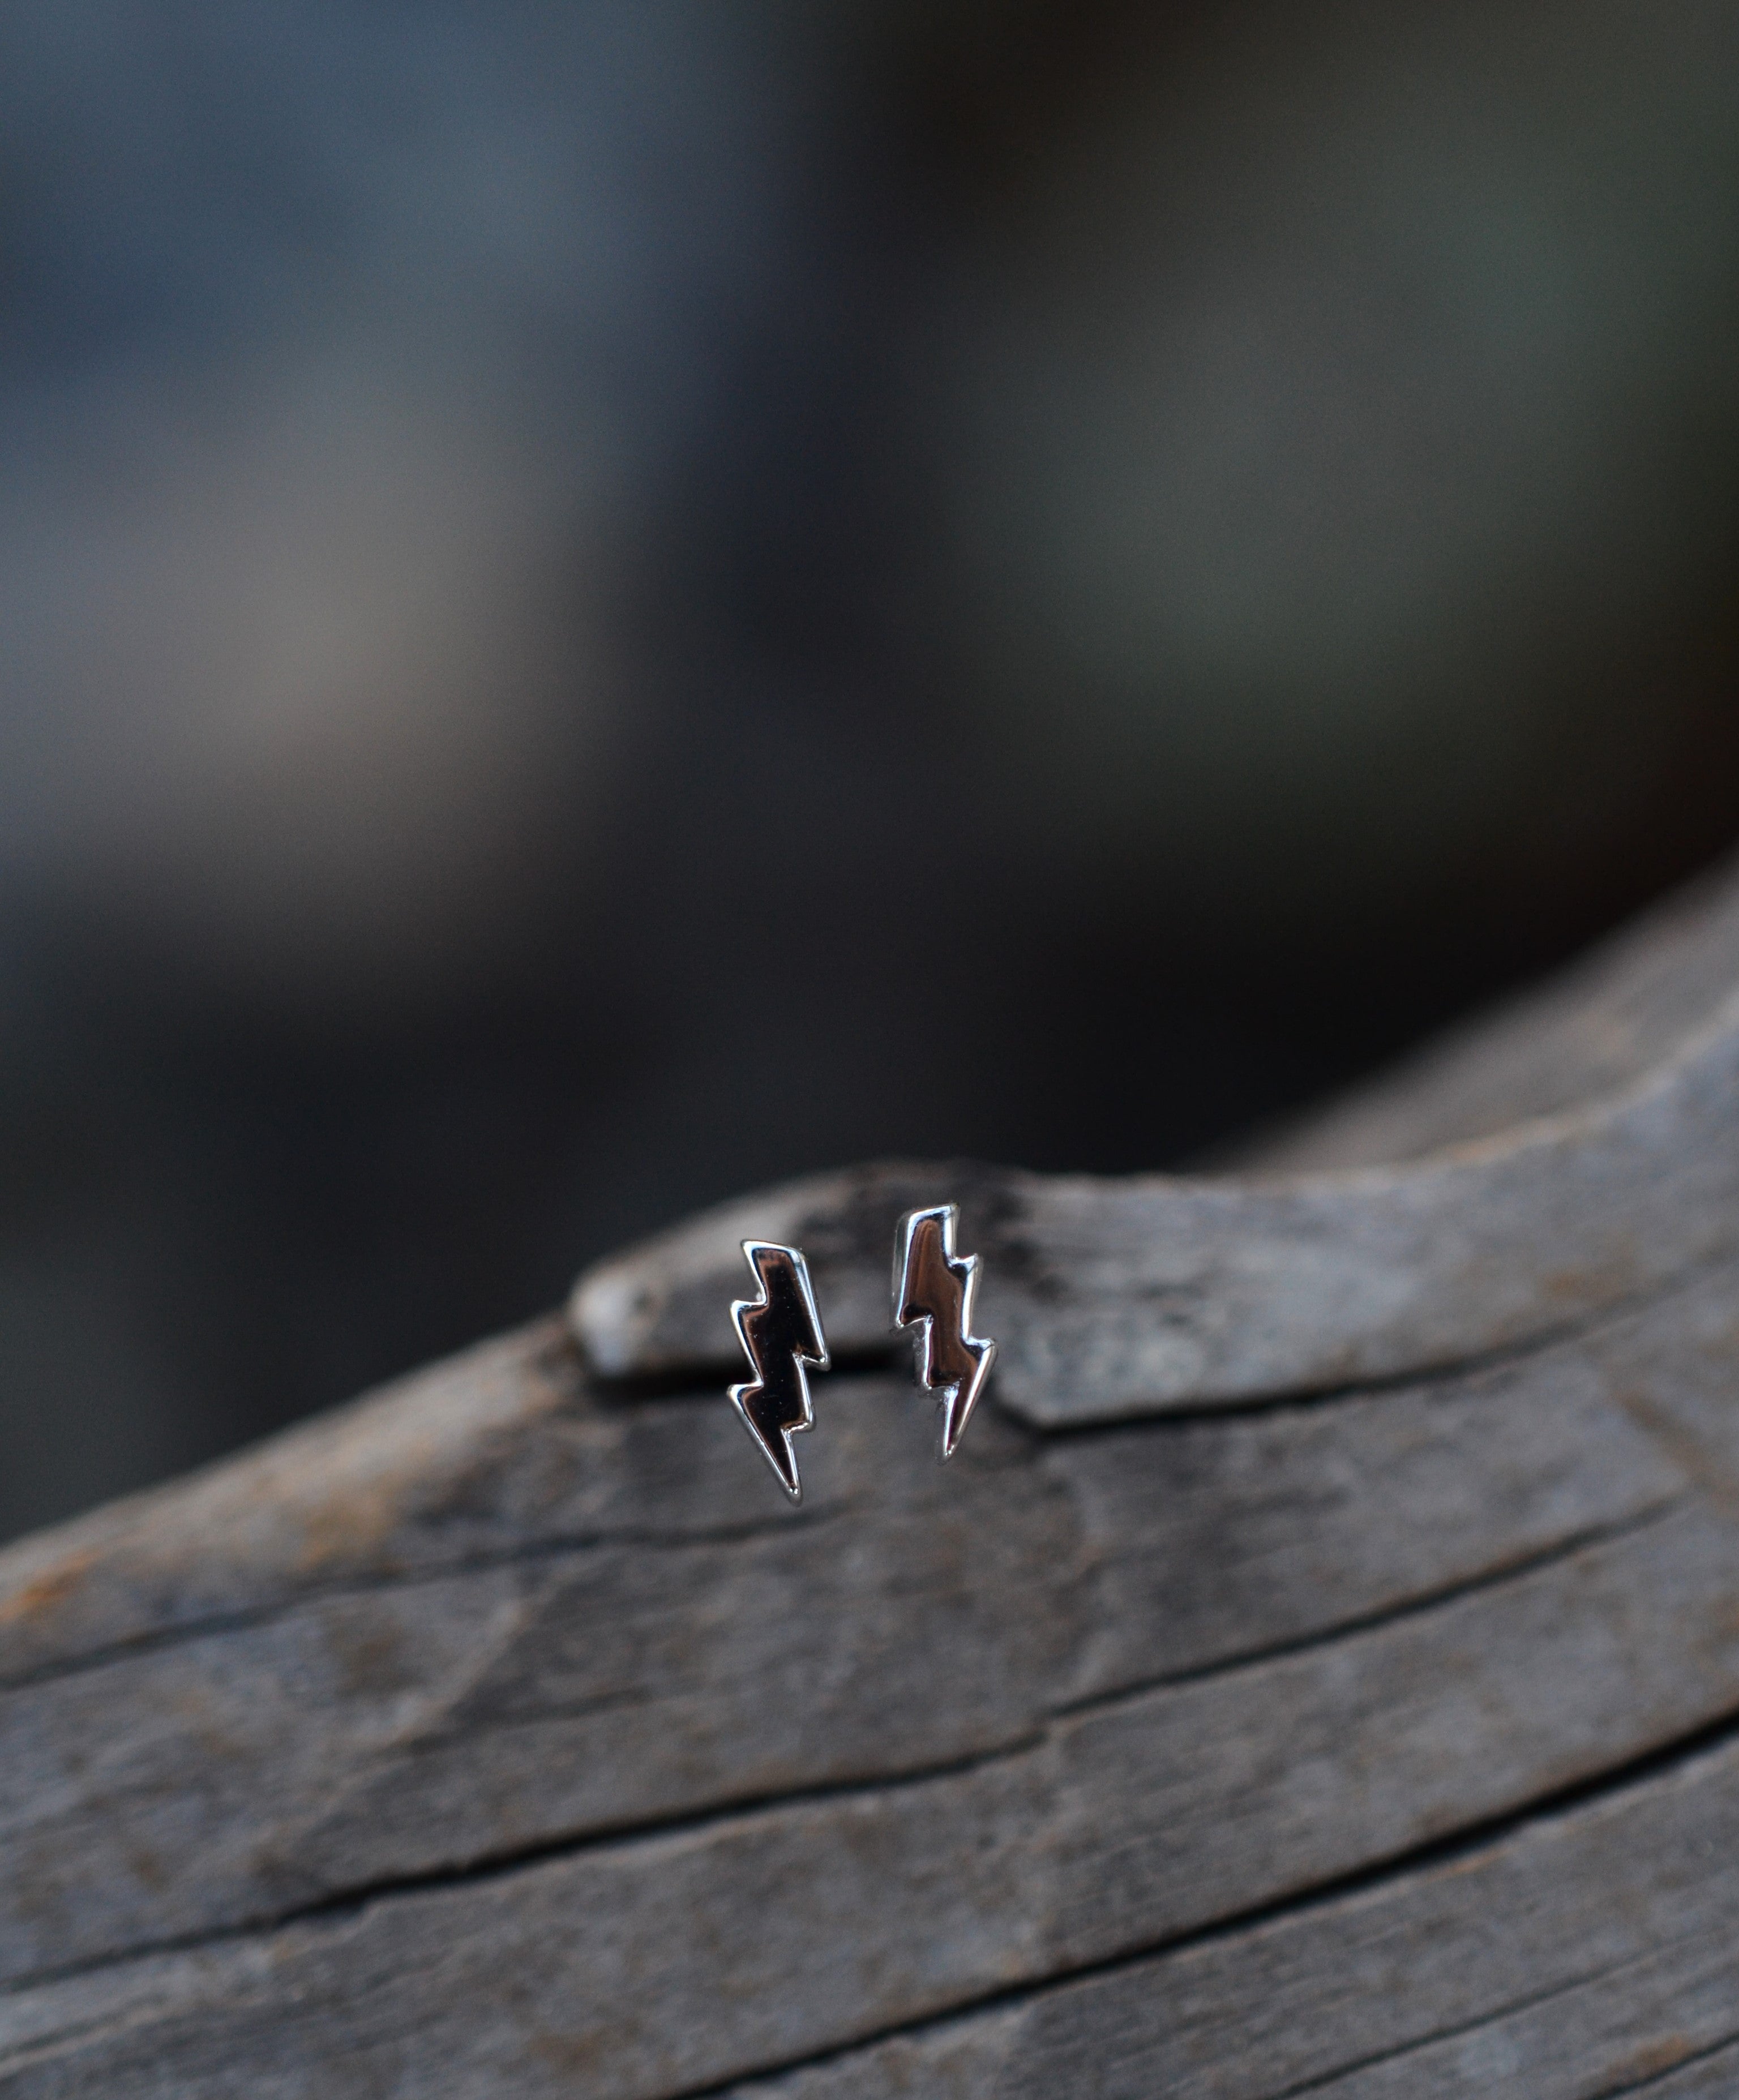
point(507, 1733)
point(1115, 1299)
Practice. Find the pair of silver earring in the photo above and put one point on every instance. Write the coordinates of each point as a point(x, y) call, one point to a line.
point(780, 1331)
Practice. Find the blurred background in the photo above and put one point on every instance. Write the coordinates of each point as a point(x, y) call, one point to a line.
point(602, 605)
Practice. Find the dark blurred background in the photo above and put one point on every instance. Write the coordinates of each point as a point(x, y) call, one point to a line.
point(602, 605)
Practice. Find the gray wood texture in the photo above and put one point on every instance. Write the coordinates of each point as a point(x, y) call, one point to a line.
point(1357, 1713)
point(1115, 1299)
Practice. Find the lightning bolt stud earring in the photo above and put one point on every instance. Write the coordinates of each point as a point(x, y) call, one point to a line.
point(780, 1332)
point(934, 1286)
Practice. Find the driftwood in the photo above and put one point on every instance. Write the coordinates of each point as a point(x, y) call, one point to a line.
point(1317, 1672)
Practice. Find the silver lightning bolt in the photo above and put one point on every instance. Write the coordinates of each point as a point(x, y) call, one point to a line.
point(933, 1285)
point(780, 1332)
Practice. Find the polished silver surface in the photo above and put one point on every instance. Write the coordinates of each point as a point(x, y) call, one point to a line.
point(935, 1286)
point(780, 1332)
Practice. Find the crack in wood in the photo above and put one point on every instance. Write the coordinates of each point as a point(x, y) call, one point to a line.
point(1663, 1764)
point(1455, 2031)
point(1657, 2078)
point(1357, 1622)
point(345, 1903)
point(1496, 1576)
point(552, 1549)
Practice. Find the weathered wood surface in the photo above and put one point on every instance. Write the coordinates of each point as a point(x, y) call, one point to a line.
point(507, 1733)
point(1594, 1029)
point(1115, 1299)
